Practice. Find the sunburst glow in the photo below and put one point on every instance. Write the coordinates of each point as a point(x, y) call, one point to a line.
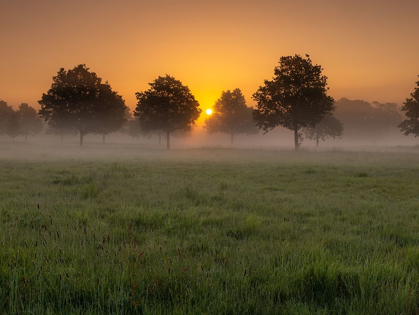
point(208, 111)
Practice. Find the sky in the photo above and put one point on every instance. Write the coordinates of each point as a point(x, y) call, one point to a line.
point(369, 49)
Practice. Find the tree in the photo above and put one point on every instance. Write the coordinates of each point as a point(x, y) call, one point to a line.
point(79, 100)
point(295, 98)
point(388, 114)
point(411, 109)
point(112, 115)
point(167, 105)
point(133, 128)
point(30, 123)
point(231, 115)
point(13, 126)
point(365, 121)
point(328, 127)
point(5, 113)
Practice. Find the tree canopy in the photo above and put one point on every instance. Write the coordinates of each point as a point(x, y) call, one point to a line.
point(167, 105)
point(411, 109)
point(30, 123)
point(79, 100)
point(5, 113)
point(231, 115)
point(329, 127)
point(133, 128)
point(112, 115)
point(295, 98)
point(13, 126)
point(366, 121)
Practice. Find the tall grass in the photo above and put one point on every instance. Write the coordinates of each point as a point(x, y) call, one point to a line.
point(266, 234)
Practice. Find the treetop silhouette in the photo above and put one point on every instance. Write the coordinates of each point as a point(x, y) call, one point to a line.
point(295, 98)
point(329, 127)
point(30, 123)
point(411, 108)
point(231, 115)
point(6, 112)
point(167, 105)
point(79, 100)
point(364, 120)
point(13, 126)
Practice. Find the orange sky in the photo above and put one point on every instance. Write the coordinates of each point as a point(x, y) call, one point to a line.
point(369, 49)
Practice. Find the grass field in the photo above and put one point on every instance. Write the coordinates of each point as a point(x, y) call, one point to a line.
point(200, 231)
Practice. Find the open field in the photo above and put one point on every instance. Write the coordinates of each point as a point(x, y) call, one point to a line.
point(128, 230)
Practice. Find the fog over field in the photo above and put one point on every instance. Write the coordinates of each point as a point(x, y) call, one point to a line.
point(121, 148)
point(134, 228)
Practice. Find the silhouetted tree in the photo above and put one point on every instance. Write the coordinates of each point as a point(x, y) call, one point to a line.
point(5, 113)
point(168, 105)
point(13, 126)
point(363, 120)
point(79, 100)
point(328, 127)
point(231, 115)
point(295, 98)
point(112, 115)
point(411, 109)
point(387, 119)
point(30, 123)
point(133, 128)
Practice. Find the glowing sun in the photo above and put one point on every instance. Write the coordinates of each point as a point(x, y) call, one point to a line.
point(208, 111)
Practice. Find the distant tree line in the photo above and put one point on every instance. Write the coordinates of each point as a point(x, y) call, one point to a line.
point(296, 98)
point(22, 122)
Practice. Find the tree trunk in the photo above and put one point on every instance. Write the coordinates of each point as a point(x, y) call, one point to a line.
point(159, 138)
point(232, 139)
point(13, 139)
point(168, 140)
point(62, 138)
point(317, 137)
point(103, 138)
point(297, 145)
point(81, 139)
point(26, 138)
